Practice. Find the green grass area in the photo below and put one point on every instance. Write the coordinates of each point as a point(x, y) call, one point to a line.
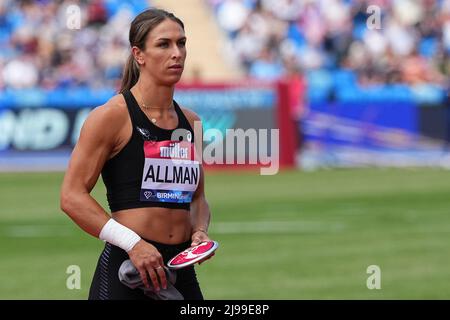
point(294, 235)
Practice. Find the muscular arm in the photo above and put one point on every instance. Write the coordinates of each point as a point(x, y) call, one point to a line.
point(97, 140)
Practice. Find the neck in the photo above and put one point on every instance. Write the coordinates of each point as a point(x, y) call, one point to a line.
point(153, 95)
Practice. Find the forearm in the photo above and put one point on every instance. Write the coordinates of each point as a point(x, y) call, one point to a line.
point(85, 211)
point(200, 214)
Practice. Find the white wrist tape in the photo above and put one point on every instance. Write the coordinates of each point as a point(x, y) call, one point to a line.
point(119, 235)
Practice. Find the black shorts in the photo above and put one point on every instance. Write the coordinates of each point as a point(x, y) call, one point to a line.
point(107, 286)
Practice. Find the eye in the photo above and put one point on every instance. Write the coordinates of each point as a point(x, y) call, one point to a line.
point(182, 43)
point(163, 45)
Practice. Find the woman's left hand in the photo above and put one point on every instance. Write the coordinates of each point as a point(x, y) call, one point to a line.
point(198, 237)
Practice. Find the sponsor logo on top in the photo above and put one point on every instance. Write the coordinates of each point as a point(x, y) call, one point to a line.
point(174, 150)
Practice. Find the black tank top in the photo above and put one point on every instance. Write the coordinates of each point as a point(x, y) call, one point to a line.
point(156, 168)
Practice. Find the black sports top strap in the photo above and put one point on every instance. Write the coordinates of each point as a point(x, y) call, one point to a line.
point(132, 106)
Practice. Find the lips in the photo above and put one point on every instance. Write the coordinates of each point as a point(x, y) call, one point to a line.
point(176, 66)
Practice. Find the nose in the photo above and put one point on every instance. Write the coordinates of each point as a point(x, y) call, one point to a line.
point(176, 53)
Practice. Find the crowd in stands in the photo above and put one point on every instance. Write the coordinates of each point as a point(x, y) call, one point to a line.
point(53, 44)
point(269, 38)
point(409, 42)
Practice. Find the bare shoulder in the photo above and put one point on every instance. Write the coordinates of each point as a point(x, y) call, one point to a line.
point(108, 118)
point(114, 109)
point(113, 114)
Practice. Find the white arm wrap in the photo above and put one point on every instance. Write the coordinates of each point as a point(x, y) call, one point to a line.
point(119, 235)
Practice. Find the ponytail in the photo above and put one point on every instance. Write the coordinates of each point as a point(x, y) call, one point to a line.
point(130, 75)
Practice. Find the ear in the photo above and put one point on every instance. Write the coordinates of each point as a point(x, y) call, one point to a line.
point(138, 55)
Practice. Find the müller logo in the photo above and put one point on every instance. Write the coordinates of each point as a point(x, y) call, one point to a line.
point(174, 151)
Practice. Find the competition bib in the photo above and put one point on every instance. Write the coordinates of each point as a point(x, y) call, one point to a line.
point(170, 172)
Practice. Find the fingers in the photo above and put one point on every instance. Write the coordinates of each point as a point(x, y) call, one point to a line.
point(154, 274)
point(162, 277)
point(157, 275)
point(150, 264)
point(198, 239)
point(154, 278)
point(144, 278)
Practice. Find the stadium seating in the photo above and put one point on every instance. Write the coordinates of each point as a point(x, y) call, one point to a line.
point(328, 40)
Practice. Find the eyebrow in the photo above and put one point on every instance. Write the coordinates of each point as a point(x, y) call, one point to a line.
point(167, 39)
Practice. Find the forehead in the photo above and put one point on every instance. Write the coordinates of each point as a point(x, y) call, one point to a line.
point(167, 29)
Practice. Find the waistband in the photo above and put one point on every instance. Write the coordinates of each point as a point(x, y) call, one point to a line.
point(162, 247)
point(167, 250)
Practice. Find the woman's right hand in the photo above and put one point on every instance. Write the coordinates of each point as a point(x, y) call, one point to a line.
point(147, 260)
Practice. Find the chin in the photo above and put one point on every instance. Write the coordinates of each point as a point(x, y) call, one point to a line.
point(171, 81)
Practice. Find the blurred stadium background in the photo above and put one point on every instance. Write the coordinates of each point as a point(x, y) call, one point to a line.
point(362, 104)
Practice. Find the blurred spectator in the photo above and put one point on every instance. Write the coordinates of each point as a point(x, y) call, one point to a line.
point(411, 45)
point(297, 98)
point(232, 15)
point(267, 66)
point(39, 50)
point(20, 73)
point(96, 13)
point(447, 107)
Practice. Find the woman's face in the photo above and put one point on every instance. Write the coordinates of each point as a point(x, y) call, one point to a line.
point(164, 54)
